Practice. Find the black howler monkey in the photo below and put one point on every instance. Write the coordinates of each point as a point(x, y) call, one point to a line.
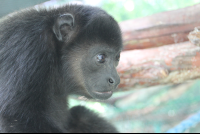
point(48, 54)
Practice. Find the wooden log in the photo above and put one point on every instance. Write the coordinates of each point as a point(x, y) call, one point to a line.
point(169, 64)
point(160, 29)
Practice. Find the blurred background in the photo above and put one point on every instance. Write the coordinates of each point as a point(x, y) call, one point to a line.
point(161, 108)
point(121, 10)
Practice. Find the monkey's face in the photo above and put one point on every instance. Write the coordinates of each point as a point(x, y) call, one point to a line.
point(99, 73)
point(91, 55)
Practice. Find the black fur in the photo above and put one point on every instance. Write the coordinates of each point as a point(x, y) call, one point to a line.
point(37, 71)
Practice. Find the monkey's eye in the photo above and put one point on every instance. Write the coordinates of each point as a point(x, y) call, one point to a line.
point(101, 58)
point(118, 57)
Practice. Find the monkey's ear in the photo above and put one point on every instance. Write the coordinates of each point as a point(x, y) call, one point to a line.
point(63, 27)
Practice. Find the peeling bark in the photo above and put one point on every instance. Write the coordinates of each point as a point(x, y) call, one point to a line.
point(169, 64)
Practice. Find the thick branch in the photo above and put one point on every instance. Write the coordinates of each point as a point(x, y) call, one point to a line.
point(160, 29)
point(161, 65)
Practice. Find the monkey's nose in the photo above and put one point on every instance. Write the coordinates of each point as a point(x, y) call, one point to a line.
point(111, 81)
point(114, 82)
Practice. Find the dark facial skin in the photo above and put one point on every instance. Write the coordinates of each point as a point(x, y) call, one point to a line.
point(99, 67)
point(95, 71)
point(95, 55)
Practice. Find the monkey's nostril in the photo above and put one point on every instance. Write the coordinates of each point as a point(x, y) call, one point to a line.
point(111, 81)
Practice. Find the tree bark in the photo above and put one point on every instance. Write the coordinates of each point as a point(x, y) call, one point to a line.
point(169, 64)
point(160, 29)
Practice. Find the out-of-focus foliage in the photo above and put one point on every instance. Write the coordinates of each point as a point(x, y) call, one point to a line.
point(9, 6)
point(130, 9)
point(154, 109)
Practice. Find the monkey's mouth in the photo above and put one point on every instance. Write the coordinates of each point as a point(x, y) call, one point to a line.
point(107, 92)
point(102, 95)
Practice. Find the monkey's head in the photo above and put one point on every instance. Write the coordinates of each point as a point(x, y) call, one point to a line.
point(90, 53)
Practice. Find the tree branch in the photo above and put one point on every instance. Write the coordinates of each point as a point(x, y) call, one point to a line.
point(170, 64)
point(160, 29)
